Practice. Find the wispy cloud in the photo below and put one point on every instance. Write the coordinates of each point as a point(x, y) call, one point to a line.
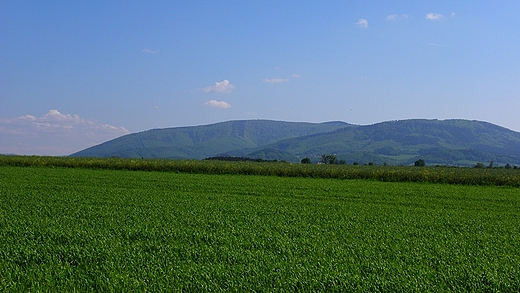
point(440, 45)
point(362, 23)
point(280, 80)
point(150, 51)
point(275, 80)
point(217, 104)
point(53, 134)
point(396, 17)
point(434, 16)
point(220, 87)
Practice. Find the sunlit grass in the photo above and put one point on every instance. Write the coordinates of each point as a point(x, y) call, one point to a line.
point(66, 229)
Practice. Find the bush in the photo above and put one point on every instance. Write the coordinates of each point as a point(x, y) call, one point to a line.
point(306, 161)
point(479, 166)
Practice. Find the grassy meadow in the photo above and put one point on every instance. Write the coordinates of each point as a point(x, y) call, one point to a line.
point(78, 229)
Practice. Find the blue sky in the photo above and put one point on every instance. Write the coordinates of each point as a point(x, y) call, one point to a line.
point(76, 73)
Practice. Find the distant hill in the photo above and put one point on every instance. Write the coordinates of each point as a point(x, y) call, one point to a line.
point(199, 142)
point(446, 142)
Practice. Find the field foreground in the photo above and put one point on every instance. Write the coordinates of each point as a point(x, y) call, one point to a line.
point(112, 230)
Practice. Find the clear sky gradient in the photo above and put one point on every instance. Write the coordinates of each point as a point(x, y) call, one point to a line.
point(76, 73)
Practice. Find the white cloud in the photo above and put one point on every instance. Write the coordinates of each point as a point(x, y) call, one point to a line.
point(150, 51)
point(217, 104)
point(434, 16)
point(363, 23)
point(295, 75)
point(220, 87)
point(275, 80)
point(53, 134)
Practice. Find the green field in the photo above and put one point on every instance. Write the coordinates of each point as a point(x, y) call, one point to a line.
point(442, 174)
point(66, 229)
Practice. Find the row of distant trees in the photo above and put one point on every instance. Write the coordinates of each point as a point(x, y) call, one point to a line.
point(492, 165)
point(332, 159)
point(239, 159)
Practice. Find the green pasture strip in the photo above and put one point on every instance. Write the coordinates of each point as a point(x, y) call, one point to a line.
point(68, 229)
point(449, 175)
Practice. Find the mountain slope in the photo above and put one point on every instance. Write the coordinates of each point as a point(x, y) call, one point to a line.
point(446, 142)
point(199, 142)
point(459, 142)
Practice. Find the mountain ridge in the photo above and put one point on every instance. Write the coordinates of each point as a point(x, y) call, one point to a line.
point(447, 142)
point(202, 141)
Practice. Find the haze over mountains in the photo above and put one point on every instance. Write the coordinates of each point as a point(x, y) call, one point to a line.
point(445, 142)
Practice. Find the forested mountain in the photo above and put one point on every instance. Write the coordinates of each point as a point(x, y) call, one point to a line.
point(446, 142)
point(199, 142)
point(450, 142)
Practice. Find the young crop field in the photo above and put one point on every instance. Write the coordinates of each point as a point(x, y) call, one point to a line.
point(76, 229)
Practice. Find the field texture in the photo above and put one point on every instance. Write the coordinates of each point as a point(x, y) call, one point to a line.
point(450, 175)
point(66, 229)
